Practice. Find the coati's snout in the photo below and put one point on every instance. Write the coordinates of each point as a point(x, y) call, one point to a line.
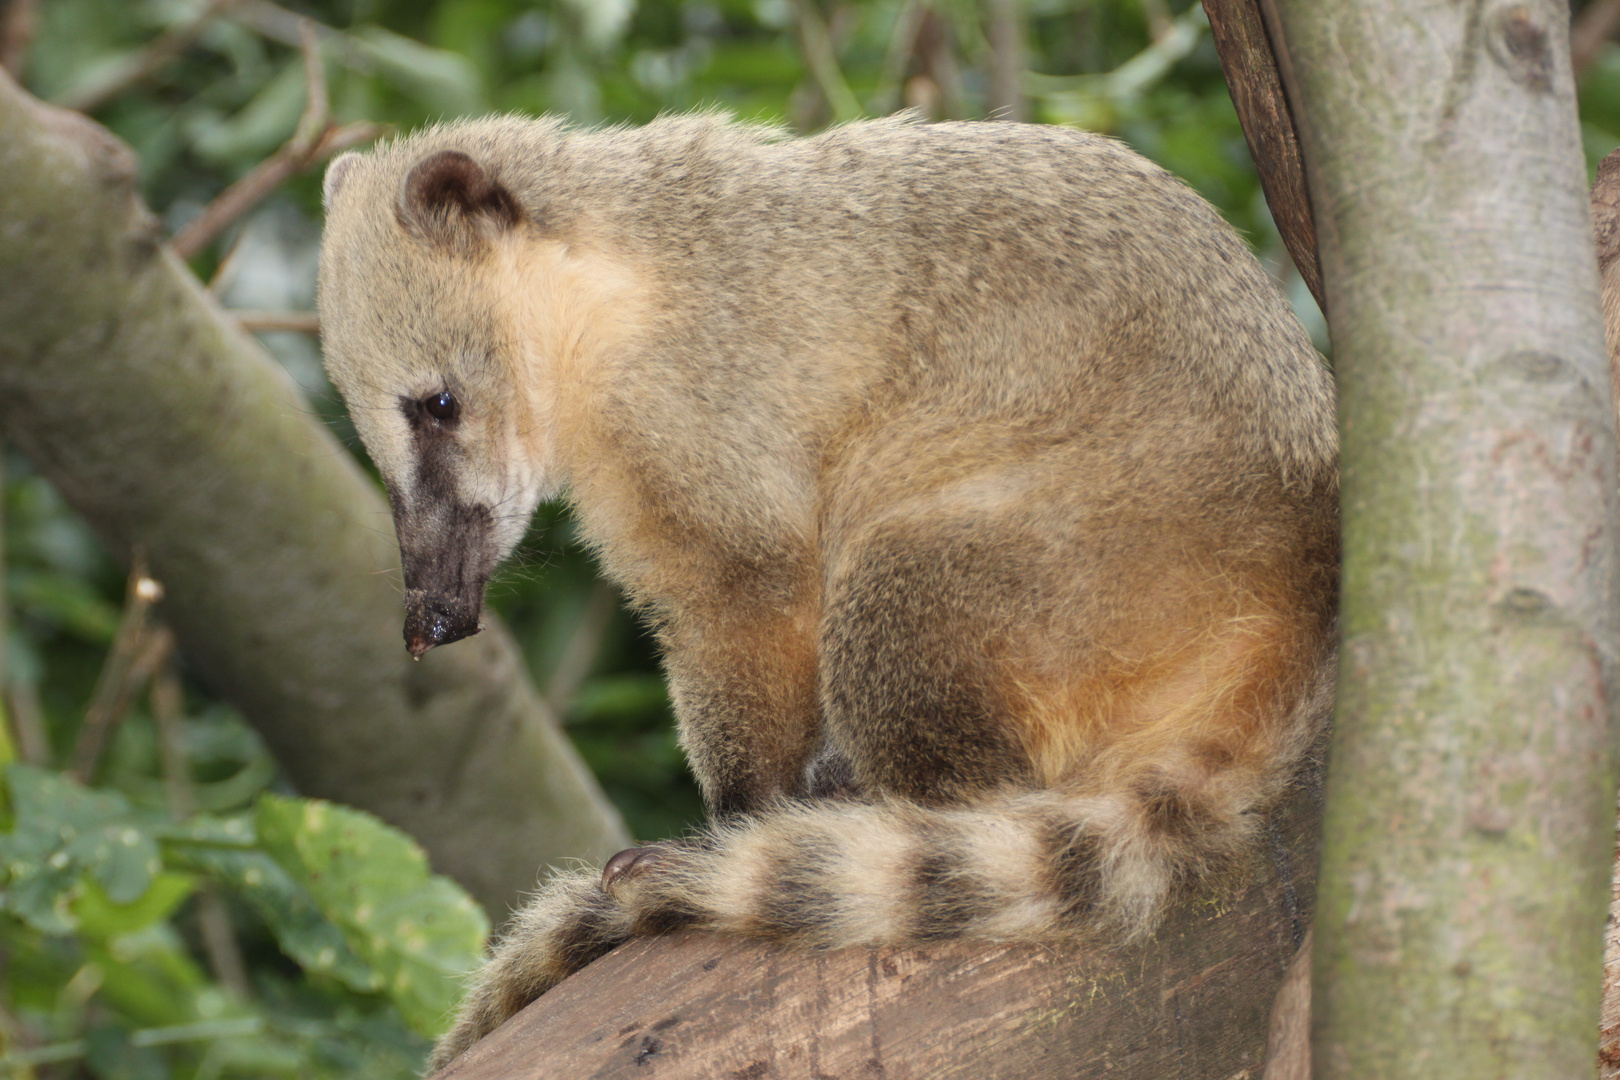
point(430, 620)
point(448, 553)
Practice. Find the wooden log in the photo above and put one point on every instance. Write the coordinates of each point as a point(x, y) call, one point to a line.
point(1193, 1002)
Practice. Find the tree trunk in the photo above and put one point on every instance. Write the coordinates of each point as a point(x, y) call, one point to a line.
point(1605, 200)
point(170, 429)
point(1470, 815)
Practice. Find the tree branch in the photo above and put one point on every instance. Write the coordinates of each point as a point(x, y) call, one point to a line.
point(1004, 28)
point(314, 140)
point(264, 322)
point(17, 21)
point(1469, 831)
point(816, 42)
point(1593, 28)
point(1249, 62)
point(1192, 1003)
point(1605, 202)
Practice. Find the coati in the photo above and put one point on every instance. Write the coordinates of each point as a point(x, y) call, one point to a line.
point(979, 484)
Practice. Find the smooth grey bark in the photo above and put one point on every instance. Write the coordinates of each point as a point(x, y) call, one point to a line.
point(169, 428)
point(1605, 200)
point(1470, 815)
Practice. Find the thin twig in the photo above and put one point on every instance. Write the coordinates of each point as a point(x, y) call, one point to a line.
point(315, 139)
point(264, 322)
point(312, 125)
point(936, 84)
point(1160, 21)
point(213, 918)
point(142, 65)
point(275, 22)
point(28, 721)
point(229, 265)
point(819, 57)
point(132, 657)
point(897, 57)
point(1005, 30)
point(249, 191)
point(1593, 27)
point(168, 703)
point(17, 24)
point(155, 646)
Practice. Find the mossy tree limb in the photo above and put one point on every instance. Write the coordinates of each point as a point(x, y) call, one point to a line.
point(1470, 814)
point(170, 429)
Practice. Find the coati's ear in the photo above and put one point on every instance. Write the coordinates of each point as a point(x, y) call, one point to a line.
point(335, 173)
point(452, 200)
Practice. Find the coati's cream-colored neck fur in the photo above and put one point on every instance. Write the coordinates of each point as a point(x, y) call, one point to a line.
point(567, 306)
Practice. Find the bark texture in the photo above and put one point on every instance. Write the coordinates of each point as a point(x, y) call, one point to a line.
point(169, 428)
point(1468, 833)
point(1193, 1003)
point(1606, 229)
point(1249, 62)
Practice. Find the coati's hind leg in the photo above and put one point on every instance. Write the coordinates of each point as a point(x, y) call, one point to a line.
point(907, 646)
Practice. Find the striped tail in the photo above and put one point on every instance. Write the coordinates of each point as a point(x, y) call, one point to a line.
point(1022, 866)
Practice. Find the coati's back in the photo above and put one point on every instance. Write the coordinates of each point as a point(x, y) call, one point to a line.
point(979, 482)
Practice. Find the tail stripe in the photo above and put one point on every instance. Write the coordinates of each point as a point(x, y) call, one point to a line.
point(1074, 870)
point(798, 905)
point(948, 898)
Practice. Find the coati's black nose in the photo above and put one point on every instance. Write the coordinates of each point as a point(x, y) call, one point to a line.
point(428, 624)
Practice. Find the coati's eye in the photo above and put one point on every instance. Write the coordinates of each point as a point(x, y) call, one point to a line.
point(440, 406)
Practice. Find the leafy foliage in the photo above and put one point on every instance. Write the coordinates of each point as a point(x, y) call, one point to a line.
point(111, 895)
point(91, 882)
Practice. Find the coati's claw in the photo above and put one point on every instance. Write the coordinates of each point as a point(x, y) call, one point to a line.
point(629, 862)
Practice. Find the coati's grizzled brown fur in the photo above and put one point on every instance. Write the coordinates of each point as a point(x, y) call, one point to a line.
point(979, 483)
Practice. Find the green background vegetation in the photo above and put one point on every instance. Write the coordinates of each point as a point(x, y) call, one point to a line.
point(347, 944)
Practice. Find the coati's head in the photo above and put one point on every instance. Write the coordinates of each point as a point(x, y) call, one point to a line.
point(447, 317)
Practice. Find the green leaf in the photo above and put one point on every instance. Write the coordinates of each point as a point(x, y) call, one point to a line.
point(63, 831)
point(420, 932)
point(259, 127)
point(111, 1056)
point(148, 977)
point(100, 917)
point(302, 930)
point(122, 858)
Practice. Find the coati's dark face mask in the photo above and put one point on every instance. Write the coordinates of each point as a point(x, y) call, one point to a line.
point(413, 344)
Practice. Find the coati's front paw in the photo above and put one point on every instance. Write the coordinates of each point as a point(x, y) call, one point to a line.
point(631, 862)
